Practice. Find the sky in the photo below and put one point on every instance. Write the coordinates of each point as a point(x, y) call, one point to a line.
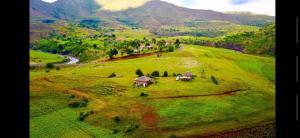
point(266, 7)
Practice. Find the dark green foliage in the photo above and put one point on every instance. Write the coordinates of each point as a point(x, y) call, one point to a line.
point(131, 128)
point(72, 96)
point(89, 23)
point(57, 68)
point(49, 65)
point(155, 73)
point(143, 94)
point(165, 74)
point(112, 75)
point(174, 74)
point(115, 131)
point(78, 103)
point(214, 80)
point(170, 48)
point(47, 71)
point(172, 136)
point(112, 52)
point(177, 43)
point(117, 119)
point(83, 115)
point(139, 72)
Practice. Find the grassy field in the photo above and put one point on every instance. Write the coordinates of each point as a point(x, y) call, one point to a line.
point(199, 107)
point(38, 57)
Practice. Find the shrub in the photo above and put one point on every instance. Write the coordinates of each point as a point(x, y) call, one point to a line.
point(170, 48)
point(131, 128)
point(117, 119)
point(112, 75)
point(214, 80)
point(174, 74)
point(72, 96)
point(57, 68)
point(139, 72)
point(165, 74)
point(47, 71)
point(115, 131)
point(155, 74)
point(83, 115)
point(49, 65)
point(143, 94)
point(80, 103)
point(173, 136)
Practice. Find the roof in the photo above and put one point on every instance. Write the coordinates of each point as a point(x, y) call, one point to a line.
point(188, 74)
point(143, 78)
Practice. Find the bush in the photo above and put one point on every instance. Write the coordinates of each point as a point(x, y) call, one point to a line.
point(139, 72)
point(72, 96)
point(131, 128)
point(214, 80)
point(112, 75)
point(173, 136)
point(47, 71)
point(115, 131)
point(165, 74)
point(174, 74)
point(155, 74)
point(49, 65)
point(80, 103)
point(170, 48)
point(143, 94)
point(57, 68)
point(83, 115)
point(117, 119)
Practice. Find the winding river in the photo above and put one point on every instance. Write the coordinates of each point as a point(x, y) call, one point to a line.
point(72, 60)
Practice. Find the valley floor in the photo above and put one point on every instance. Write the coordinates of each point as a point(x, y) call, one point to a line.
point(243, 98)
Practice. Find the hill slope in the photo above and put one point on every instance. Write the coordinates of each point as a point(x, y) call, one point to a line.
point(152, 14)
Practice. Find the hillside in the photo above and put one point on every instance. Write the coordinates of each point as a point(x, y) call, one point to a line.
point(152, 14)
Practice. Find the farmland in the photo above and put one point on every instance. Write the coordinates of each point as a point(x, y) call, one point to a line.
point(243, 97)
point(38, 57)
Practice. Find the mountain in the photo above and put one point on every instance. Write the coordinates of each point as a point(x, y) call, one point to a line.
point(154, 13)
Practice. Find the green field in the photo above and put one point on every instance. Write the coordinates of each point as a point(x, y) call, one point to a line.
point(173, 107)
point(38, 57)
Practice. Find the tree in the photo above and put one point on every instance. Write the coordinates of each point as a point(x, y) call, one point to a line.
point(165, 74)
point(139, 72)
point(161, 44)
point(155, 73)
point(170, 48)
point(153, 41)
point(112, 52)
point(177, 43)
point(49, 65)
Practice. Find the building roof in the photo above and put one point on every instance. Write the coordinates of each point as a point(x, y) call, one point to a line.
point(188, 74)
point(143, 78)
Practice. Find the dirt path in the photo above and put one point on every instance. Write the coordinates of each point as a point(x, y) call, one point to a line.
point(191, 96)
point(131, 56)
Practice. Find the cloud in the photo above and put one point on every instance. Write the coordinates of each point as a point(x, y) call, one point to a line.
point(266, 7)
point(50, 1)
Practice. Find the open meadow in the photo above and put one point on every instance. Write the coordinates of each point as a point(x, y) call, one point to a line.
point(83, 101)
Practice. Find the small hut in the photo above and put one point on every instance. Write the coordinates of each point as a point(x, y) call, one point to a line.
point(186, 77)
point(143, 81)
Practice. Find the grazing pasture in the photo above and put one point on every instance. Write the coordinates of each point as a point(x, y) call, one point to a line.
point(244, 96)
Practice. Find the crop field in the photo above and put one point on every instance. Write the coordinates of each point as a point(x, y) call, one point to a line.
point(243, 97)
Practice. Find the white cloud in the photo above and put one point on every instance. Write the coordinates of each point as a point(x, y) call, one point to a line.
point(50, 1)
point(258, 6)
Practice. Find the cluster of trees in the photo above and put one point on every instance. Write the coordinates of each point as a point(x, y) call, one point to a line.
point(261, 42)
point(154, 74)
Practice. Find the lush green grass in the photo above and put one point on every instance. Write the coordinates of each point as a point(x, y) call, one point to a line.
point(43, 58)
point(111, 97)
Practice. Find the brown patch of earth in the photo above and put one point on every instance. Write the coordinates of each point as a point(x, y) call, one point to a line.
point(131, 56)
point(191, 96)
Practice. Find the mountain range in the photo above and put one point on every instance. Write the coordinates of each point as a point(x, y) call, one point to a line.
point(154, 13)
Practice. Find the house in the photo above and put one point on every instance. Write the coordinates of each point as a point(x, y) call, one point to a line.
point(186, 77)
point(143, 81)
